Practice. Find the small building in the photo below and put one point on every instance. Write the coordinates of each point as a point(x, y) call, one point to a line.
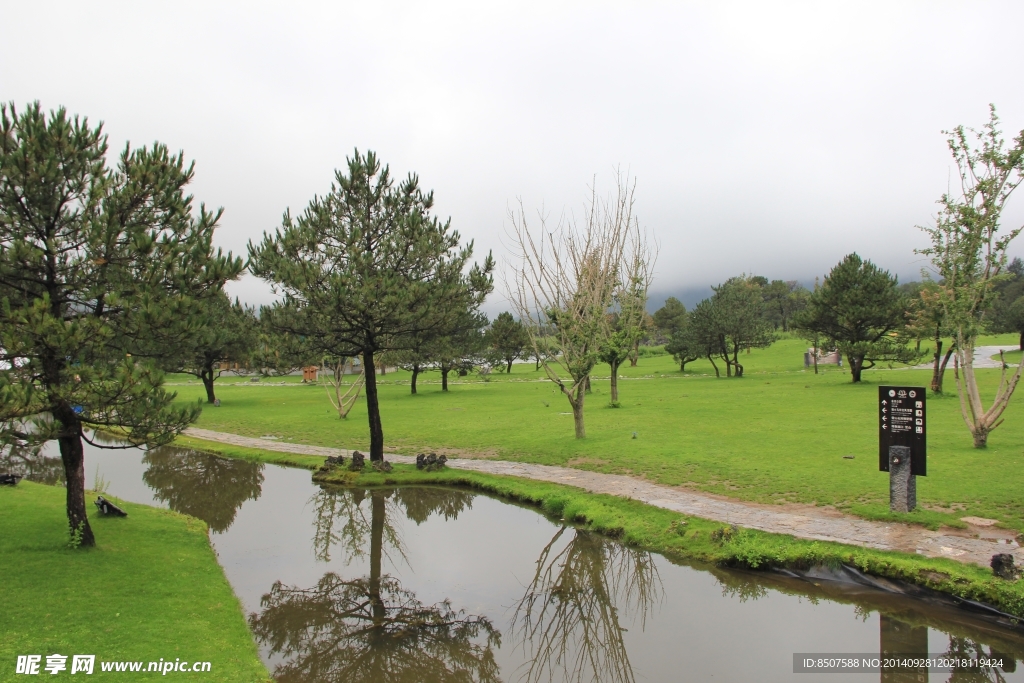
point(824, 358)
point(309, 373)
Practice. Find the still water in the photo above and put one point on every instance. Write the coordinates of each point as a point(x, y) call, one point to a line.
point(430, 584)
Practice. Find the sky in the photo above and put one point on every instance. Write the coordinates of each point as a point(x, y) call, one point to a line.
point(764, 138)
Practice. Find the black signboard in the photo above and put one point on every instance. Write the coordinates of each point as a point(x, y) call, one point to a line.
point(902, 422)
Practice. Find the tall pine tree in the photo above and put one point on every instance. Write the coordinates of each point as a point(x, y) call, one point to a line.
point(101, 274)
point(368, 267)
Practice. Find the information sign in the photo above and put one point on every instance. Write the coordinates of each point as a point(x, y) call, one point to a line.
point(902, 422)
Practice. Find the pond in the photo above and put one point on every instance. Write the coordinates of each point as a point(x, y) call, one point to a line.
point(433, 584)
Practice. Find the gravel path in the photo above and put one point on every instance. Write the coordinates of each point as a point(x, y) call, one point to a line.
point(817, 524)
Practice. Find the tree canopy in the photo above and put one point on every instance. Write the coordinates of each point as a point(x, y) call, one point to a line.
point(507, 340)
point(102, 271)
point(367, 266)
point(230, 334)
point(860, 311)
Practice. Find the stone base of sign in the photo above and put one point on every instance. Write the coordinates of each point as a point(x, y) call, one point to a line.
point(902, 484)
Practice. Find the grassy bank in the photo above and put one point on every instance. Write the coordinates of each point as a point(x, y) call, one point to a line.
point(695, 539)
point(151, 589)
point(781, 434)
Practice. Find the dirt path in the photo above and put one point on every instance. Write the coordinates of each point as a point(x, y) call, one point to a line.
point(811, 524)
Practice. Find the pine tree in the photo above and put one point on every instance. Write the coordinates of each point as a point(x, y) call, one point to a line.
point(368, 267)
point(101, 274)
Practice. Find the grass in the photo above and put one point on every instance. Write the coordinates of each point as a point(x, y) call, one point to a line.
point(777, 435)
point(151, 589)
point(694, 539)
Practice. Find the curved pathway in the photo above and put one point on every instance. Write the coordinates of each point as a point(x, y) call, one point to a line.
point(813, 524)
point(983, 356)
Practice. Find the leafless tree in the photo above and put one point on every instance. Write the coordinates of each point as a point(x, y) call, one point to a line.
point(564, 280)
point(342, 401)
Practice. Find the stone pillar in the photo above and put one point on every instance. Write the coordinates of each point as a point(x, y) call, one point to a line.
point(902, 484)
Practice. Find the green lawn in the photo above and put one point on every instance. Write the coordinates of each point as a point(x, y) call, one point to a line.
point(777, 435)
point(151, 589)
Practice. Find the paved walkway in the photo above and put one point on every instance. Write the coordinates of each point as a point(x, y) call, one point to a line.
point(982, 357)
point(812, 523)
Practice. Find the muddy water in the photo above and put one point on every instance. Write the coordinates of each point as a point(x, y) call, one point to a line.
point(430, 584)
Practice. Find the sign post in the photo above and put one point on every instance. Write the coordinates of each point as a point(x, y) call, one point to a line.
point(901, 443)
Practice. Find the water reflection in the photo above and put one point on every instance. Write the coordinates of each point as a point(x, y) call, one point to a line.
point(33, 464)
point(371, 628)
point(202, 485)
point(571, 619)
point(340, 520)
point(904, 625)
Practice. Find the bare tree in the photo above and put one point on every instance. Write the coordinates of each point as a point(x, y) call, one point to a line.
point(969, 256)
point(342, 401)
point(564, 282)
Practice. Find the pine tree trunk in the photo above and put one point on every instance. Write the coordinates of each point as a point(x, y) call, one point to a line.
point(73, 456)
point(415, 374)
point(509, 368)
point(444, 377)
point(715, 366)
point(856, 363)
point(587, 385)
point(373, 409)
point(207, 376)
point(615, 380)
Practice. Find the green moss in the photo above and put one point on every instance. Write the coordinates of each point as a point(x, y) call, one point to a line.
point(150, 589)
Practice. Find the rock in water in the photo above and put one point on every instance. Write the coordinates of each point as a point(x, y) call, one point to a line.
point(358, 460)
point(1002, 566)
point(108, 508)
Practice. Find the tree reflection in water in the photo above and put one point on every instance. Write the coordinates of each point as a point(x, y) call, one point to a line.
point(32, 464)
point(202, 485)
point(569, 618)
point(370, 628)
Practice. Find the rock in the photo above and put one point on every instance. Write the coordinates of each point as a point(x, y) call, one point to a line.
point(430, 463)
point(1002, 566)
point(331, 462)
point(10, 479)
point(381, 465)
point(108, 508)
point(358, 461)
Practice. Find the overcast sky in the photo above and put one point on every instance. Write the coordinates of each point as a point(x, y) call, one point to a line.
point(768, 138)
